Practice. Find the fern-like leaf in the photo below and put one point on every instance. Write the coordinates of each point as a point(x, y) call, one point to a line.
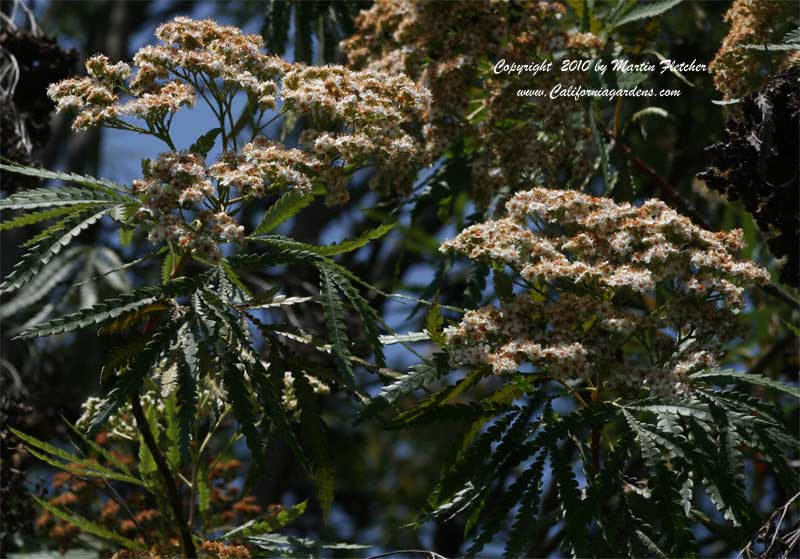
point(90, 527)
point(575, 530)
point(133, 370)
point(420, 375)
point(56, 271)
point(645, 10)
point(315, 440)
point(36, 217)
point(110, 456)
point(470, 462)
point(272, 524)
point(726, 494)
point(353, 244)
point(55, 197)
point(85, 180)
point(233, 374)
point(336, 325)
point(109, 309)
point(71, 463)
point(48, 248)
point(369, 316)
point(525, 521)
point(188, 369)
point(286, 207)
point(728, 377)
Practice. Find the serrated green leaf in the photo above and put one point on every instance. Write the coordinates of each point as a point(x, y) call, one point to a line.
point(36, 217)
point(188, 368)
point(233, 375)
point(314, 438)
point(89, 527)
point(134, 368)
point(336, 325)
point(645, 10)
point(273, 524)
point(54, 197)
point(419, 375)
point(110, 456)
point(370, 318)
point(391, 339)
point(650, 545)
point(434, 323)
point(286, 207)
point(353, 244)
point(168, 266)
point(203, 490)
point(56, 271)
point(109, 309)
point(91, 182)
point(43, 252)
point(72, 463)
point(326, 250)
point(726, 377)
point(204, 143)
point(234, 277)
point(172, 431)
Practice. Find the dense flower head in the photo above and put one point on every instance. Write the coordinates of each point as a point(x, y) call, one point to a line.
point(175, 183)
point(263, 163)
point(450, 47)
point(618, 295)
point(738, 67)
point(352, 119)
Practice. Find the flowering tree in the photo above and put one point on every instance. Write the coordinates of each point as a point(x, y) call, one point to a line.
point(194, 328)
point(577, 352)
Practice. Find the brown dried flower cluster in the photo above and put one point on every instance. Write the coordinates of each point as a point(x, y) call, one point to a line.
point(355, 120)
point(620, 296)
point(207, 550)
point(738, 69)
point(450, 47)
point(137, 519)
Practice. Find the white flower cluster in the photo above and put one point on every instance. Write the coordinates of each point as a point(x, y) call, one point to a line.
point(192, 50)
point(620, 296)
point(355, 119)
point(179, 182)
point(367, 118)
point(263, 162)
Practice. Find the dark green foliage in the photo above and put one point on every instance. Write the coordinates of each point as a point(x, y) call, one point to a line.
point(48, 247)
point(663, 450)
point(337, 328)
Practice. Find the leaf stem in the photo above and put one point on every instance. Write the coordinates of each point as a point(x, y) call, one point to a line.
point(172, 492)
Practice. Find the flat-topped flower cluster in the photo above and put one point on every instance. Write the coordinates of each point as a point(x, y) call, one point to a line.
point(352, 119)
point(620, 296)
